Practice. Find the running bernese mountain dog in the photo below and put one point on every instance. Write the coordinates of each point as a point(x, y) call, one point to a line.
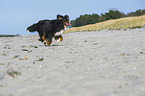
point(49, 29)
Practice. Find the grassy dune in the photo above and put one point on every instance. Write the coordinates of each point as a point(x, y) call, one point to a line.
point(116, 24)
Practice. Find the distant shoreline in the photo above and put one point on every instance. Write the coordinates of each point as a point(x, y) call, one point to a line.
point(9, 35)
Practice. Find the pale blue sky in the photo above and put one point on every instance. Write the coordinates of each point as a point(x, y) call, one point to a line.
point(17, 15)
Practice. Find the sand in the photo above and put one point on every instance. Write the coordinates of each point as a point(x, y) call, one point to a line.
point(101, 63)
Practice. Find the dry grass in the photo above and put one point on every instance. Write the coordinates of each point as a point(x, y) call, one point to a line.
point(116, 24)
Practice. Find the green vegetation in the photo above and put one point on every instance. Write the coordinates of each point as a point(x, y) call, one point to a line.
point(95, 18)
point(115, 24)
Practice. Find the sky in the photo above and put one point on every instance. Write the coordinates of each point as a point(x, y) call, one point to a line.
point(17, 15)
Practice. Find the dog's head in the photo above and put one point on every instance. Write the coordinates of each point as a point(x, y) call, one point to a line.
point(66, 21)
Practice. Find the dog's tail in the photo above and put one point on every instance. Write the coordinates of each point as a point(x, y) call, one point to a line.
point(32, 28)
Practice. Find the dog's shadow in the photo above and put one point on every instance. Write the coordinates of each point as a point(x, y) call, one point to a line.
point(47, 45)
point(54, 45)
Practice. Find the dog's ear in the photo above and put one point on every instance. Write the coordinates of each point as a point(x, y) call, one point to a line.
point(59, 17)
point(66, 16)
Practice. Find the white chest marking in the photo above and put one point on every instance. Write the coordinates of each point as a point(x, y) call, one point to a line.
point(60, 32)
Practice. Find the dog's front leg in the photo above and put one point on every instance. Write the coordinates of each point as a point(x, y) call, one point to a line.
point(59, 38)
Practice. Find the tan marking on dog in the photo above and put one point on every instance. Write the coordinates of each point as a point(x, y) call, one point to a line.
point(48, 43)
point(61, 38)
point(43, 37)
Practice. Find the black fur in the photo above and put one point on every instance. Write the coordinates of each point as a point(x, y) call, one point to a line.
point(48, 28)
point(40, 27)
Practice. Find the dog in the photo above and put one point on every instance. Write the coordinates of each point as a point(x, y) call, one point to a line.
point(55, 30)
point(41, 27)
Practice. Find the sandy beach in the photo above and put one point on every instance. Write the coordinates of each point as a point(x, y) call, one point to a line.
point(100, 63)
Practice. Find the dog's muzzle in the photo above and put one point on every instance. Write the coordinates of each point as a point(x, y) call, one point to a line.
point(68, 23)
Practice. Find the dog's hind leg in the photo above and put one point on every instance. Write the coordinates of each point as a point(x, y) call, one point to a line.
point(44, 39)
point(42, 36)
point(48, 39)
